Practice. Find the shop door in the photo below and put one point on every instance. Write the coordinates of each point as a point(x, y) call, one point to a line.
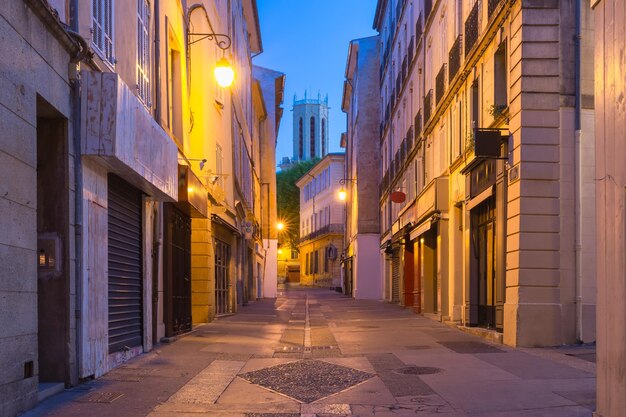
point(177, 271)
point(348, 276)
point(223, 304)
point(486, 257)
point(125, 265)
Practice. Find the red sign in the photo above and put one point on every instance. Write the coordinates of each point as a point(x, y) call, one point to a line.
point(398, 197)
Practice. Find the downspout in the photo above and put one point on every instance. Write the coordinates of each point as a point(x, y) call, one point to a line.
point(157, 62)
point(78, 188)
point(578, 176)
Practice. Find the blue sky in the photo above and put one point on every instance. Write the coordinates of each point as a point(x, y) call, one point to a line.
point(308, 41)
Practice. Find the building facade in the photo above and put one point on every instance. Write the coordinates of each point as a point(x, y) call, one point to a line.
point(610, 38)
point(310, 128)
point(361, 97)
point(481, 131)
point(142, 182)
point(321, 223)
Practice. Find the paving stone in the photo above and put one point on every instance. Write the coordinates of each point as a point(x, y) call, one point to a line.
point(307, 380)
point(471, 347)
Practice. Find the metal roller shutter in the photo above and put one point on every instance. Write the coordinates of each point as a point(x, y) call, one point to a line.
point(125, 265)
point(395, 278)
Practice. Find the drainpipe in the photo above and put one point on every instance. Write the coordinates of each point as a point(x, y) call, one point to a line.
point(78, 188)
point(578, 176)
point(157, 62)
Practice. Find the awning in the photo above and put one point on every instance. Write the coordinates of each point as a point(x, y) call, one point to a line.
point(479, 198)
point(421, 229)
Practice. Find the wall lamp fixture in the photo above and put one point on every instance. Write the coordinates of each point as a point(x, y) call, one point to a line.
point(342, 194)
point(223, 72)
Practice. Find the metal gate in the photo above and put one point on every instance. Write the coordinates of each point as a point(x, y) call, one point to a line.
point(395, 278)
point(222, 278)
point(125, 265)
point(177, 265)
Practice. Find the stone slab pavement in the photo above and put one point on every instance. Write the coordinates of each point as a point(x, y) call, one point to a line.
point(314, 352)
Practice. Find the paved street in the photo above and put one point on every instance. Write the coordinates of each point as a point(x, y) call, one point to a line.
point(318, 353)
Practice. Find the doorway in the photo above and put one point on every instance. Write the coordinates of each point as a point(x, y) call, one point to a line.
point(53, 288)
point(222, 278)
point(177, 271)
point(484, 239)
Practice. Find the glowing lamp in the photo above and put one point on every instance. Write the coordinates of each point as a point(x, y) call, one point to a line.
point(224, 73)
point(342, 194)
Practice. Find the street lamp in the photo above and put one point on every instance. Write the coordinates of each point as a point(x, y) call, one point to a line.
point(280, 226)
point(343, 194)
point(223, 72)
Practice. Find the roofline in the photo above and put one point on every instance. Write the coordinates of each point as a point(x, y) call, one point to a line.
point(380, 6)
point(327, 156)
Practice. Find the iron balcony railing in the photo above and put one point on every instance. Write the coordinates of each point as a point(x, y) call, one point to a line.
point(471, 28)
point(335, 228)
point(428, 105)
point(418, 125)
point(440, 83)
point(454, 58)
point(492, 6)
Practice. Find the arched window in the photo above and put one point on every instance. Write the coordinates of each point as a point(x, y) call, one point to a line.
point(301, 143)
point(312, 137)
point(323, 137)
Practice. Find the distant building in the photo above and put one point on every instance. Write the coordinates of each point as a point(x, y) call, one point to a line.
point(310, 128)
point(321, 223)
point(361, 95)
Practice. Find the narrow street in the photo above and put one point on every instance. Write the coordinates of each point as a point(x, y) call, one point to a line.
point(318, 353)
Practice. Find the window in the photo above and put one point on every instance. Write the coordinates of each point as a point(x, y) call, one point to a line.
point(143, 52)
point(175, 97)
point(499, 80)
point(312, 139)
point(307, 265)
point(323, 137)
point(102, 28)
point(301, 140)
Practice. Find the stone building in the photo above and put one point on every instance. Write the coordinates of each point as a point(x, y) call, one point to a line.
point(38, 95)
point(310, 128)
point(483, 129)
point(610, 40)
point(141, 181)
point(321, 223)
point(361, 97)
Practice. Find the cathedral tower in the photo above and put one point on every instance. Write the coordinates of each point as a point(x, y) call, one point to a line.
point(310, 128)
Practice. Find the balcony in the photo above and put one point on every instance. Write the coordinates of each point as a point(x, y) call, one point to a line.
point(418, 125)
point(125, 137)
point(471, 29)
point(333, 228)
point(454, 58)
point(440, 83)
point(428, 105)
point(492, 6)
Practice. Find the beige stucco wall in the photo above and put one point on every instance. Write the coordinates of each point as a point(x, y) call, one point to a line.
point(610, 39)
